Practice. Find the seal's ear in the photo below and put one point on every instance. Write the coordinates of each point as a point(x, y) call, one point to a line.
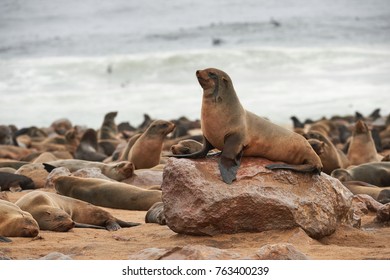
point(225, 81)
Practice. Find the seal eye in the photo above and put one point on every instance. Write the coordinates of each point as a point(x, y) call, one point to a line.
point(213, 76)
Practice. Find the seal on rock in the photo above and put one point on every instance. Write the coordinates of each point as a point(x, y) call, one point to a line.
point(14, 222)
point(227, 126)
point(60, 213)
point(107, 194)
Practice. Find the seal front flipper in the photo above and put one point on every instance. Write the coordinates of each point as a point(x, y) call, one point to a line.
point(230, 157)
point(299, 168)
point(200, 154)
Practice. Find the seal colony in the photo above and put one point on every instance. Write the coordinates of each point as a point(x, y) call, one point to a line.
point(120, 166)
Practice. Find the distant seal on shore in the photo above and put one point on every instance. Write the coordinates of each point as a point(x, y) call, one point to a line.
point(374, 173)
point(107, 194)
point(9, 180)
point(116, 170)
point(60, 213)
point(186, 147)
point(146, 150)
point(331, 157)
point(156, 214)
point(88, 147)
point(227, 126)
point(14, 222)
point(381, 195)
point(362, 146)
point(108, 129)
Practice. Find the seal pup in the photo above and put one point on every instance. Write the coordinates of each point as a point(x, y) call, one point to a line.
point(60, 213)
point(10, 180)
point(107, 194)
point(115, 170)
point(146, 150)
point(375, 173)
point(156, 214)
point(228, 127)
point(362, 146)
point(331, 157)
point(14, 222)
point(186, 147)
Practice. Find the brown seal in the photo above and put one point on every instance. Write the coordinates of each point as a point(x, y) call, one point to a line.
point(146, 150)
point(156, 214)
point(15, 222)
point(60, 213)
point(362, 146)
point(116, 170)
point(331, 157)
point(228, 127)
point(381, 195)
point(107, 194)
point(186, 147)
point(375, 173)
point(108, 129)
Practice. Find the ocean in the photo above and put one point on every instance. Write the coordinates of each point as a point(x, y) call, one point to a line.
point(82, 59)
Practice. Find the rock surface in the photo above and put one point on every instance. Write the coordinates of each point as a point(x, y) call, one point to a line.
point(198, 202)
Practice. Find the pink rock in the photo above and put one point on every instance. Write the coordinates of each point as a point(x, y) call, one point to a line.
point(198, 202)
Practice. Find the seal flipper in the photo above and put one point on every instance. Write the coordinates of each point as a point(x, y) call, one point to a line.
point(4, 239)
point(230, 158)
point(299, 168)
point(127, 224)
point(48, 167)
point(200, 154)
point(80, 225)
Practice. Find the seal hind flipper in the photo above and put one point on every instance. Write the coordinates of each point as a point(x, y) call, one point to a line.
point(299, 168)
point(127, 224)
point(5, 239)
point(48, 167)
point(230, 159)
point(81, 225)
point(200, 154)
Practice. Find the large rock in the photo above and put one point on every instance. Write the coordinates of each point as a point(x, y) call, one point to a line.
point(198, 202)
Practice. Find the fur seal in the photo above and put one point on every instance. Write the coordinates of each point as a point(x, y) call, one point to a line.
point(381, 195)
point(9, 180)
point(88, 147)
point(15, 222)
point(116, 170)
point(156, 214)
point(331, 157)
point(228, 127)
point(107, 194)
point(108, 129)
point(186, 147)
point(375, 173)
point(146, 150)
point(362, 146)
point(60, 213)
